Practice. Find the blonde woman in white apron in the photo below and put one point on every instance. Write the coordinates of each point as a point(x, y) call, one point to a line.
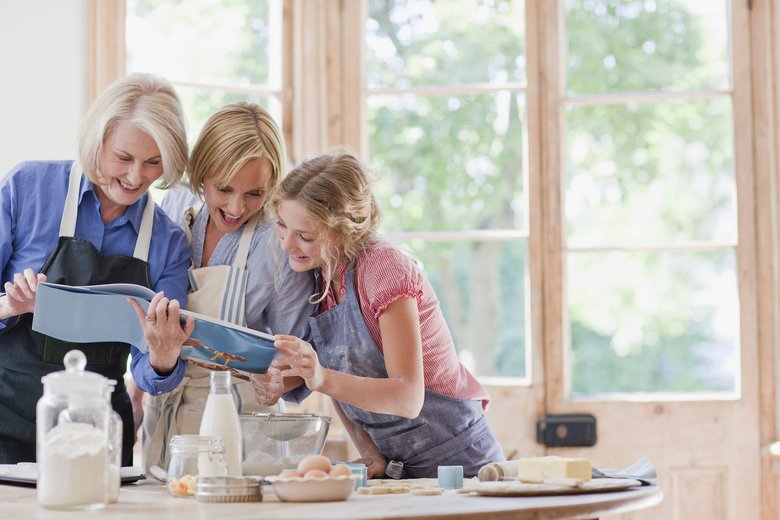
point(236, 276)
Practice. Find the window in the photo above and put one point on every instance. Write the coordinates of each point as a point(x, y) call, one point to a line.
point(477, 141)
point(650, 197)
point(446, 123)
point(214, 53)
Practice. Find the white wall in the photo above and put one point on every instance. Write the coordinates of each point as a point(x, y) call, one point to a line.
point(43, 78)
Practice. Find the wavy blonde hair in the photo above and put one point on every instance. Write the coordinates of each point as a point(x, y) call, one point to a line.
point(335, 191)
point(234, 135)
point(150, 103)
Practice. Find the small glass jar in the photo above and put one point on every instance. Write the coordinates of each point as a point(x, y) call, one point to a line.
point(114, 447)
point(193, 456)
point(73, 424)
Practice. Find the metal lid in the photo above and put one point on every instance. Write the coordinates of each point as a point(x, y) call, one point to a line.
point(229, 489)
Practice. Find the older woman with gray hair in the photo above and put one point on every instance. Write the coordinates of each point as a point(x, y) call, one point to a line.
point(89, 222)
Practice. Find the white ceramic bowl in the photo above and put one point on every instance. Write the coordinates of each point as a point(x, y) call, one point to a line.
point(325, 489)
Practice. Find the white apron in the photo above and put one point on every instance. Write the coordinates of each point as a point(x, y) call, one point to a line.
point(218, 291)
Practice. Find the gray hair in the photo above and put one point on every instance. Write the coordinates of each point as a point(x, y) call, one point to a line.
point(147, 101)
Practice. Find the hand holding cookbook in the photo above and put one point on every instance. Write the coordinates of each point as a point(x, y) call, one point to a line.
point(101, 313)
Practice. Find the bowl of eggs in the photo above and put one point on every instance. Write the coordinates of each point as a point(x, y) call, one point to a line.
point(314, 480)
point(276, 441)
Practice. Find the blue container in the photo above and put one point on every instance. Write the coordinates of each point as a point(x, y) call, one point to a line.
point(361, 471)
point(450, 477)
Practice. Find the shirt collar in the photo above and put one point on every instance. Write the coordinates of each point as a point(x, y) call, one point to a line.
point(134, 213)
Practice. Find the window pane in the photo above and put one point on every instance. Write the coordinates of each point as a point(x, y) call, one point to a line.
point(653, 322)
point(647, 45)
point(449, 163)
point(650, 172)
point(425, 42)
point(200, 103)
point(481, 287)
point(205, 41)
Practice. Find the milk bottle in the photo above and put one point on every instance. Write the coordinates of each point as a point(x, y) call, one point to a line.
point(220, 419)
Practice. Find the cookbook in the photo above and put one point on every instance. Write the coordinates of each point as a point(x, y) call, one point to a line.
point(101, 313)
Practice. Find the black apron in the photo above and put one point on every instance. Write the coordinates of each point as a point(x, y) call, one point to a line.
point(26, 355)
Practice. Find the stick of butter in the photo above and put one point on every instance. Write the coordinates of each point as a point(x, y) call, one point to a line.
point(537, 469)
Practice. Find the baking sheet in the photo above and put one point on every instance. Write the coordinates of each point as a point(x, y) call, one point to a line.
point(26, 473)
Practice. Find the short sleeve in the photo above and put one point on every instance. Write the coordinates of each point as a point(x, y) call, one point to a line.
point(386, 274)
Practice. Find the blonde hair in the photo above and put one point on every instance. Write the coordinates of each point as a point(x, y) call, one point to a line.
point(335, 191)
point(234, 135)
point(150, 103)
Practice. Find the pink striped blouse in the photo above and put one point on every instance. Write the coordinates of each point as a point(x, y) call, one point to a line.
point(384, 274)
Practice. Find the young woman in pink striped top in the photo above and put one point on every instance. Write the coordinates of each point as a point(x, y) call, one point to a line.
point(380, 346)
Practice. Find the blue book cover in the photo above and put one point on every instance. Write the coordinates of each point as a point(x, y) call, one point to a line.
point(99, 313)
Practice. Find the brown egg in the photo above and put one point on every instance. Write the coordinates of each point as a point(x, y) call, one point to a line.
point(287, 473)
point(339, 470)
point(315, 473)
point(311, 462)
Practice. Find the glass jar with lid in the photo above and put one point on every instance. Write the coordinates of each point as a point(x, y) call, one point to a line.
point(193, 456)
point(115, 432)
point(72, 428)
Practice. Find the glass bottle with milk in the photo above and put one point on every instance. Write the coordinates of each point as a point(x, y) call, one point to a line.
point(220, 419)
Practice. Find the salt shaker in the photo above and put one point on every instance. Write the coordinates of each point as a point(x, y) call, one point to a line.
point(73, 423)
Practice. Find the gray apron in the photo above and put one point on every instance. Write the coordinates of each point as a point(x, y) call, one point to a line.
point(448, 432)
point(28, 355)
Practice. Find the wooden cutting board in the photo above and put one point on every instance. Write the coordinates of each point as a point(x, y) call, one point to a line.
point(521, 489)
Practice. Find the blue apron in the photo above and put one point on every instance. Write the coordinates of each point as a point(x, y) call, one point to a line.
point(448, 432)
point(28, 355)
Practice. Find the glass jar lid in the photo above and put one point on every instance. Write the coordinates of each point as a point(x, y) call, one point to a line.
point(74, 379)
point(195, 444)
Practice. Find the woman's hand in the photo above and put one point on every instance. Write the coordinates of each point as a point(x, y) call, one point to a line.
point(301, 360)
point(20, 295)
point(375, 465)
point(163, 331)
point(268, 387)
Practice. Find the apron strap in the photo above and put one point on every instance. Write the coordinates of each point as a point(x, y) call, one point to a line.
point(69, 213)
point(246, 240)
point(71, 209)
point(188, 220)
point(145, 233)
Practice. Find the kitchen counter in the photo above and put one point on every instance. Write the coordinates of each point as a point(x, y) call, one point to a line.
point(149, 499)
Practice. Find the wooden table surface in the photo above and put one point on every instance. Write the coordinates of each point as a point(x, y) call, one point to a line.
point(149, 499)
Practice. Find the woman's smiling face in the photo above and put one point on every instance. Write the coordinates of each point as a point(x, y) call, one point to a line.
point(299, 236)
point(130, 161)
point(233, 204)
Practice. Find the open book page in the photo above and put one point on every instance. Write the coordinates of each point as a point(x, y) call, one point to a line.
point(101, 313)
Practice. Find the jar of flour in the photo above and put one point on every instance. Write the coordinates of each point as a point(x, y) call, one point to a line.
point(73, 426)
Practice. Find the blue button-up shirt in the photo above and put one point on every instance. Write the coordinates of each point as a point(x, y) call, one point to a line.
point(32, 198)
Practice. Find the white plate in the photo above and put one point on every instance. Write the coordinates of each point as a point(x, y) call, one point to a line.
point(327, 489)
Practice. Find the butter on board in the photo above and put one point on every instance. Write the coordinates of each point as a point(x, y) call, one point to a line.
point(541, 469)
